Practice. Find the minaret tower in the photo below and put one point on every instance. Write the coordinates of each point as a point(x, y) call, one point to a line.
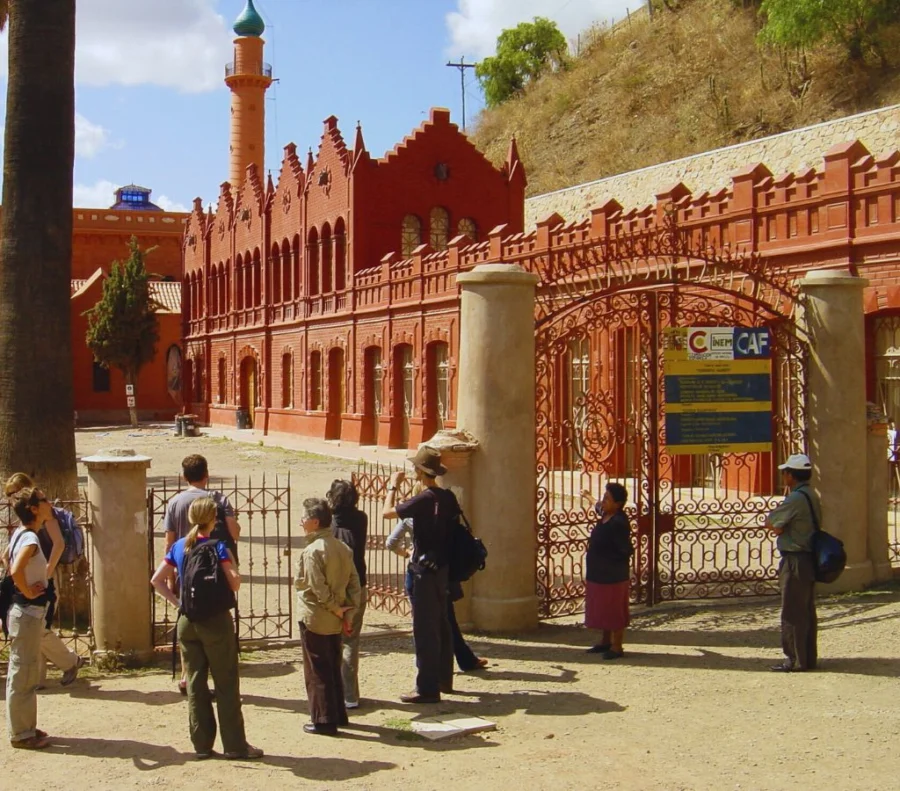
point(248, 77)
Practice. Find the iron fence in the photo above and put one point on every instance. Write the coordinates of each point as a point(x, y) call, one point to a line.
point(385, 571)
point(265, 598)
point(73, 614)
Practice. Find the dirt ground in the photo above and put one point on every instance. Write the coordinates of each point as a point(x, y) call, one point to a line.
point(693, 704)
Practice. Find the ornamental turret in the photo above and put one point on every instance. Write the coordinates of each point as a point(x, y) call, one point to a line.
point(248, 77)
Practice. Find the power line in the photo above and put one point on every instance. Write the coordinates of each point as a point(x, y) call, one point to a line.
point(462, 66)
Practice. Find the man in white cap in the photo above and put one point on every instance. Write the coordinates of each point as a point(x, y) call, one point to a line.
point(795, 522)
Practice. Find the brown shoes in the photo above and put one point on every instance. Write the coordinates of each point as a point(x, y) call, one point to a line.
point(415, 697)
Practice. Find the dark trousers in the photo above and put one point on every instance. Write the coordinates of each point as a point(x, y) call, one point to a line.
point(210, 647)
point(465, 657)
point(797, 581)
point(322, 673)
point(431, 632)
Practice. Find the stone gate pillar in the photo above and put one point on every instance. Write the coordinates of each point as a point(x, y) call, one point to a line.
point(837, 413)
point(496, 405)
point(117, 491)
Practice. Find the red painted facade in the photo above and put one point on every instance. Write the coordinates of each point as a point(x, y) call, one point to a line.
point(298, 307)
point(296, 343)
point(101, 236)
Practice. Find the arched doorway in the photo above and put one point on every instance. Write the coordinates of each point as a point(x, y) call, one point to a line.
point(336, 394)
point(249, 389)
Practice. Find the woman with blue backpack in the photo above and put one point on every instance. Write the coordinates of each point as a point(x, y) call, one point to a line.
point(62, 542)
point(208, 581)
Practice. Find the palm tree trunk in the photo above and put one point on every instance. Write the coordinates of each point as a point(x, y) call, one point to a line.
point(36, 401)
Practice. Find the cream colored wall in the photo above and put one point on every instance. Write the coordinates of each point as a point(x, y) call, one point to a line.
point(795, 151)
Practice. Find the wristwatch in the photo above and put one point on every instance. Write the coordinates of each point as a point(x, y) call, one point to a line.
point(392, 488)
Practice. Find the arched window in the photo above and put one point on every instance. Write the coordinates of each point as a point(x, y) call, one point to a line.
point(439, 228)
point(326, 258)
point(411, 234)
point(374, 382)
point(199, 383)
point(467, 227)
point(225, 285)
point(212, 293)
point(296, 260)
point(287, 263)
point(186, 296)
point(312, 257)
point(239, 282)
point(257, 279)
point(276, 274)
point(287, 380)
point(248, 280)
point(340, 255)
point(201, 307)
point(223, 382)
point(315, 381)
point(438, 386)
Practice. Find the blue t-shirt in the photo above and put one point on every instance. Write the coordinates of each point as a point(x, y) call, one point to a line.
point(175, 555)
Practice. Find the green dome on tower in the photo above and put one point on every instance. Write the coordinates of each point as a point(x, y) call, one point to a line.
point(249, 23)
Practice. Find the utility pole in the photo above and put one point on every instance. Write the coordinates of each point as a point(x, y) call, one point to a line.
point(462, 66)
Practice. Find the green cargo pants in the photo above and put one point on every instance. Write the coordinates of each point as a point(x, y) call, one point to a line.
point(211, 647)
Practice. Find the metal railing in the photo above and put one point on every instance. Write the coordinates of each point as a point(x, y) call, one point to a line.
point(263, 69)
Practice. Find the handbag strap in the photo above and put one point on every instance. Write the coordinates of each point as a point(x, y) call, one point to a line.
point(811, 510)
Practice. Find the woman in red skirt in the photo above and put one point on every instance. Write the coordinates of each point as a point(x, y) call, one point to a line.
point(608, 573)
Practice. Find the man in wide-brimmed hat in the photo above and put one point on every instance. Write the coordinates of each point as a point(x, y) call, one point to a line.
point(431, 512)
point(795, 522)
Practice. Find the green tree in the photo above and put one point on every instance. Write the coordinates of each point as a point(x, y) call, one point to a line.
point(523, 53)
point(856, 25)
point(37, 428)
point(123, 328)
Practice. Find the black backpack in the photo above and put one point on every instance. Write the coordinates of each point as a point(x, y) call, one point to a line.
point(466, 553)
point(205, 592)
point(221, 532)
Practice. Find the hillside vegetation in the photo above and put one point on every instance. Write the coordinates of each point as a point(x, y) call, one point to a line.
point(650, 91)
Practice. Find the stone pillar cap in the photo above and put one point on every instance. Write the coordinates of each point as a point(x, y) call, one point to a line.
point(506, 274)
point(458, 441)
point(117, 456)
point(832, 277)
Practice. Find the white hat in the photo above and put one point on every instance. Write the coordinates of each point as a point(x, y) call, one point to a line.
point(799, 461)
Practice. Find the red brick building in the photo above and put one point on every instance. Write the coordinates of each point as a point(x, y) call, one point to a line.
point(291, 290)
point(101, 236)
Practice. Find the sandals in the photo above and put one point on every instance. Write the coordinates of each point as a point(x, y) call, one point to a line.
point(182, 688)
point(39, 741)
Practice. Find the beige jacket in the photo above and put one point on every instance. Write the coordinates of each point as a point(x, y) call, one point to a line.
point(326, 579)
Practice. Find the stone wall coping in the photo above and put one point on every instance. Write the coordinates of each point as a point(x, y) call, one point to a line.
point(832, 277)
point(498, 274)
point(113, 457)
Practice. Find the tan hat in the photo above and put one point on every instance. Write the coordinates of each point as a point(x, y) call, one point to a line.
point(799, 461)
point(428, 460)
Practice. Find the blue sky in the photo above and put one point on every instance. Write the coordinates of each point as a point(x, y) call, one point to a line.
point(152, 107)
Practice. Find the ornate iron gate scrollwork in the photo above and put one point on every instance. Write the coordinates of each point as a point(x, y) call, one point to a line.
point(698, 520)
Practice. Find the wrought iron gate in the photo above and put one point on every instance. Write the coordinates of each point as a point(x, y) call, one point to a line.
point(385, 571)
point(698, 520)
point(265, 598)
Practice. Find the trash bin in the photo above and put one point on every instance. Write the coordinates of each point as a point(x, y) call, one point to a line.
point(189, 426)
point(179, 425)
point(242, 417)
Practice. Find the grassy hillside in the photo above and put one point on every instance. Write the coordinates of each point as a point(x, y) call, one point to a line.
point(686, 82)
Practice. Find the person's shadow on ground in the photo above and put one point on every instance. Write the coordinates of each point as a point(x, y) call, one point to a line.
point(326, 769)
point(144, 756)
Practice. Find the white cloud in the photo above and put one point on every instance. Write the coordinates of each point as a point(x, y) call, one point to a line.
point(168, 204)
point(474, 27)
point(90, 138)
point(181, 44)
point(100, 195)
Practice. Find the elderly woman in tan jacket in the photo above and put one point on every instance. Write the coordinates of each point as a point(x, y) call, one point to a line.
point(328, 591)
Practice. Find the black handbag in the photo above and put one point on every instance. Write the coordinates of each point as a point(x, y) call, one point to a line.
point(829, 555)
